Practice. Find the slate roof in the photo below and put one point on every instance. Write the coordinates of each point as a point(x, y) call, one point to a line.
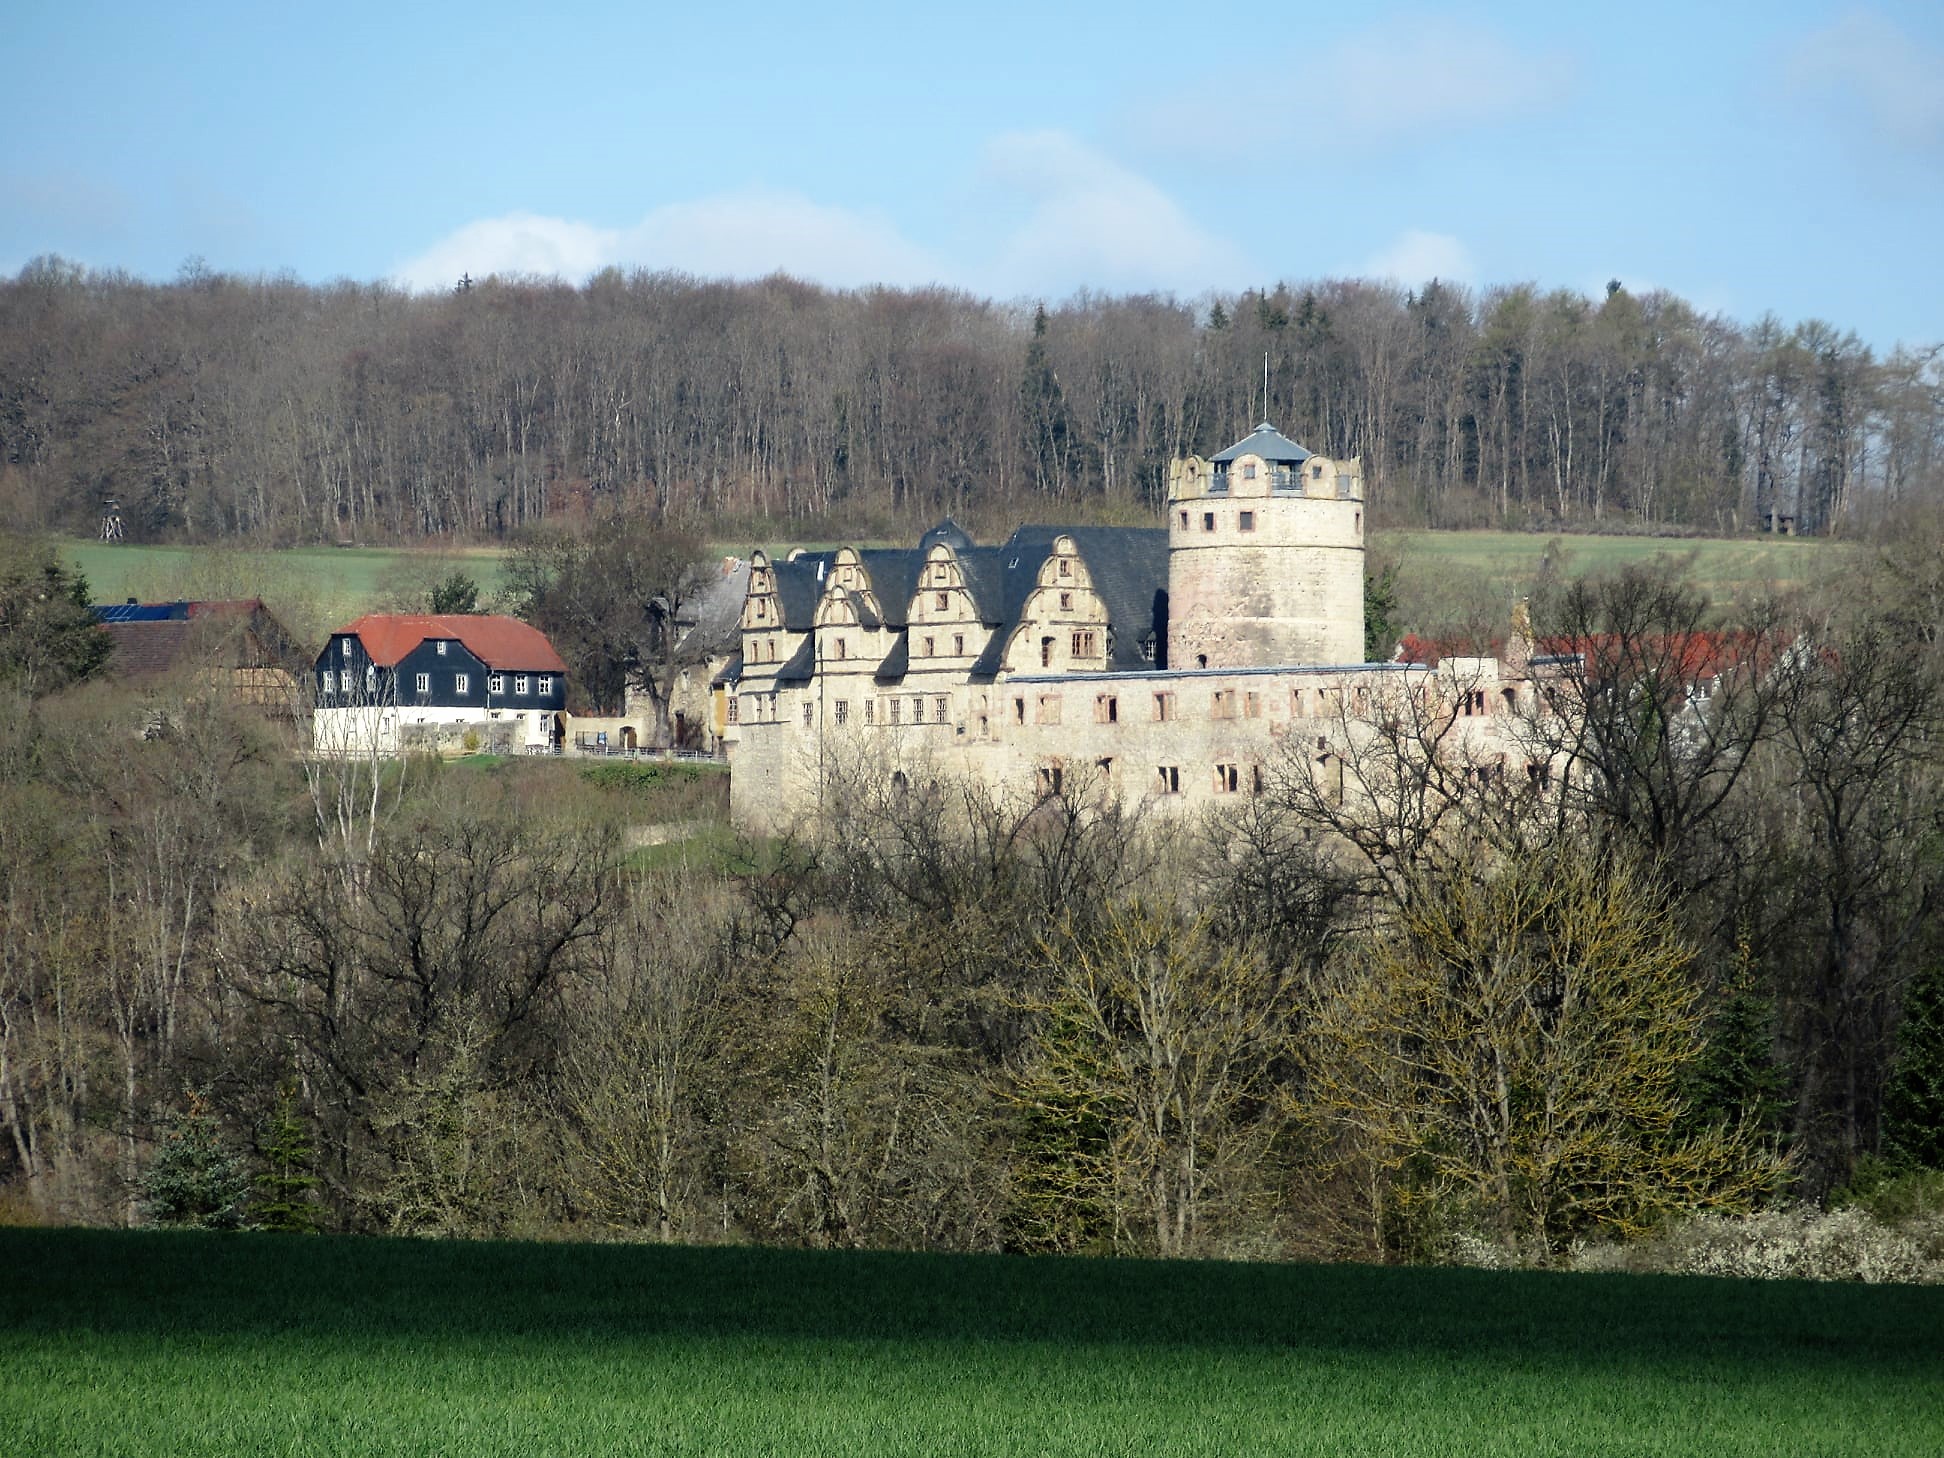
point(894, 574)
point(715, 614)
point(950, 533)
point(1129, 567)
point(497, 641)
point(1265, 441)
point(799, 584)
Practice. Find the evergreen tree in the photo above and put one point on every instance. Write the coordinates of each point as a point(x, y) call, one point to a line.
point(1913, 1099)
point(457, 594)
point(195, 1179)
point(283, 1191)
point(48, 638)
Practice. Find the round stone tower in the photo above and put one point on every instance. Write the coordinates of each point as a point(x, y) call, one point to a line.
point(1265, 557)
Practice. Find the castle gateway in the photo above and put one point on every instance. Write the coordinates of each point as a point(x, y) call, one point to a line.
point(1176, 666)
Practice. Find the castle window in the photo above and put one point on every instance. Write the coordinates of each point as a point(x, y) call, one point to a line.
point(442, 647)
point(496, 683)
point(941, 708)
point(1086, 645)
point(809, 715)
point(870, 711)
point(1208, 521)
point(1046, 653)
point(928, 647)
point(1050, 776)
point(1343, 486)
point(1019, 711)
point(734, 706)
point(896, 706)
point(1066, 567)
point(943, 601)
point(1105, 764)
point(1184, 521)
point(1248, 471)
point(1222, 706)
point(1048, 711)
point(422, 683)
point(1066, 602)
point(520, 685)
point(843, 648)
point(1252, 705)
point(324, 681)
point(917, 710)
point(371, 679)
point(1255, 779)
point(1147, 648)
point(1228, 779)
point(1474, 702)
point(762, 609)
point(1106, 709)
point(1170, 779)
point(1316, 473)
point(1164, 706)
point(842, 711)
point(958, 645)
point(1247, 521)
point(344, 647)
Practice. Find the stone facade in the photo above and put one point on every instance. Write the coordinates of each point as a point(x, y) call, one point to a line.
point(1181, 668)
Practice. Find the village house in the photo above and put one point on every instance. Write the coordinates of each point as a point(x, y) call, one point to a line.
point(235, 647)
point(393, 682)
point(1173, 666)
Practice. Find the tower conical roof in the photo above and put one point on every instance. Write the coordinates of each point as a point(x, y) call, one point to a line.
point(1269, 443)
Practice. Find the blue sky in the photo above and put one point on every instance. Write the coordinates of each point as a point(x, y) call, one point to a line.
point(1750, 157)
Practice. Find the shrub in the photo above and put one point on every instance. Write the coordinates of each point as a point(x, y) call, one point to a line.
point(1802, 1244)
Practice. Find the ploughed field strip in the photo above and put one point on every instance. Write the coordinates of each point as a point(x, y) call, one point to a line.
point(119, 1343)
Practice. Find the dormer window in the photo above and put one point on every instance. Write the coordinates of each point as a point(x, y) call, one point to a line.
point(1066, 568)
point(442, 647)
point(1248, 471)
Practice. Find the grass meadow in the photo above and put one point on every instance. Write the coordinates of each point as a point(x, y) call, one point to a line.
point(189, 1344)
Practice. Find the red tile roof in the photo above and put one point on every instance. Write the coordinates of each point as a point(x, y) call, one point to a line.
point(497, 641)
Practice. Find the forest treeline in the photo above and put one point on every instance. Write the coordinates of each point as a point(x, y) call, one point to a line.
point(268, 410)
point(1407, 1009)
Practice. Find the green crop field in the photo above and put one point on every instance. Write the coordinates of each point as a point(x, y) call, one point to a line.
point(182, 1344)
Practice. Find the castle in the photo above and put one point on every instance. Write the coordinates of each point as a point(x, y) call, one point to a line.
point(1172, 666)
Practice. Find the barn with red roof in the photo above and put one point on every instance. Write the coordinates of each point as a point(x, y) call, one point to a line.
point(391, 682)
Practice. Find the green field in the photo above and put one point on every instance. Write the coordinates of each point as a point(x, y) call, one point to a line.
point(1726, 567)
point(152, 1343)
point(317, 588)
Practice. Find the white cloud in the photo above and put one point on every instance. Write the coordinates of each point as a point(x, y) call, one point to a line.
point(518, 243)
point(1872, 70)
point(1404, 78)
point(1415, 257)
point(1413, 75)
point(1052, 215)
point(732, 235)
point(1088, 221)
